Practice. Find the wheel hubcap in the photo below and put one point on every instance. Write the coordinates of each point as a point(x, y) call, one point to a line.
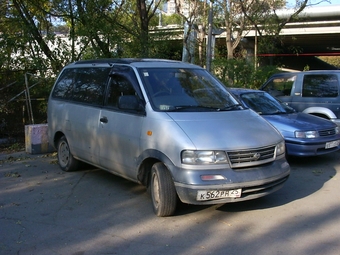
point(155, 190)
point(64, 154)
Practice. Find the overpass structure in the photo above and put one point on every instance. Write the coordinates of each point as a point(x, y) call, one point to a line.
point(317, 33)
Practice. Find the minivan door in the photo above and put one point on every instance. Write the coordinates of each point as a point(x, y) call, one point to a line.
point(120, 126)
point(77, 99)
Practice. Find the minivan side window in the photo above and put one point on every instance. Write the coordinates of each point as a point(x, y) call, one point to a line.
point(320, 85)
point(123, 93)
point(85, 85)
point(281, 86)
point(119, 86)
point(63, 88)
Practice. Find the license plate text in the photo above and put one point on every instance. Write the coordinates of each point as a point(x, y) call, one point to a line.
point(203, 195)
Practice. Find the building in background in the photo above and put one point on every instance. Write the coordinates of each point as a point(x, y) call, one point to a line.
point(184, 7)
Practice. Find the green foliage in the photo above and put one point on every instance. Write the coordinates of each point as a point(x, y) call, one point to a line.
point(173, 19)
point(306, 68)
point(15, 147)
point(241, 73)
point(262, 73)
point(30, 42)
point(233, 72)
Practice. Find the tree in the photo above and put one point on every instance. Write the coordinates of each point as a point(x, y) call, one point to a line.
point(91, 29)
point(268, 24)
point(240, 17)
point(91, 26)
point(31, 18)
point(192, 13)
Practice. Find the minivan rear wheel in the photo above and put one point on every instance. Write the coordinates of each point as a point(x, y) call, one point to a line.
point(66, 160)
point(163, 192)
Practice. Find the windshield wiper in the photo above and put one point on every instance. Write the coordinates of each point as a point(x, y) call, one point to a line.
point(279, 112)
point(231, 107)
point(188, 107)
point(273, 113)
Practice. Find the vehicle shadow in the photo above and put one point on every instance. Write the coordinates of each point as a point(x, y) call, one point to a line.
point(308, 175)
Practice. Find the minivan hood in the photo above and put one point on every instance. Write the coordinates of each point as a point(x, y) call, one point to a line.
point(241, 129)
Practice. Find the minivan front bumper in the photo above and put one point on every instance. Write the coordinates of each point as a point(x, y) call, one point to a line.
point(255, 182)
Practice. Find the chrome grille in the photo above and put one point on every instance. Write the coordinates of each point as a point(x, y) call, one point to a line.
point(246, 158)
point(327, 132)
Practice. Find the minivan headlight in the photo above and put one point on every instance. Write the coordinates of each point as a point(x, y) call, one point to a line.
point(194, 157)
point(306, 134)
point(337, 130)
point(280, 148)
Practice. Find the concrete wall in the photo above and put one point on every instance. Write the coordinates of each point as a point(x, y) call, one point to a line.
point(36, 139)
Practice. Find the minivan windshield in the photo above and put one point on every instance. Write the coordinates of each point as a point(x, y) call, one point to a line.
point(180, 89)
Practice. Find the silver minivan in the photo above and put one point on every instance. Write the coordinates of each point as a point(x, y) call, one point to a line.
point(168, 125)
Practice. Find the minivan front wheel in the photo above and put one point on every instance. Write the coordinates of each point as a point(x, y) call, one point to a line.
point(163, 192)
point(66, 160)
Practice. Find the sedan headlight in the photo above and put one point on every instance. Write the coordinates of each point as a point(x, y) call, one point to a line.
point(280, 148)
point(203, 157)
point(306, 134)
point(337, 130)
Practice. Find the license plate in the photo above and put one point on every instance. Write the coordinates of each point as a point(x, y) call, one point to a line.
point(203, 195)
point(332, 144)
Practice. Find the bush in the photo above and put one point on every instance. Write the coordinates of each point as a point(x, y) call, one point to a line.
point(241, 73)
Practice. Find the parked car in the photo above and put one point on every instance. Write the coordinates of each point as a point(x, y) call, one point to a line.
point(168, 125)
point(305, 134)
point(313, 92)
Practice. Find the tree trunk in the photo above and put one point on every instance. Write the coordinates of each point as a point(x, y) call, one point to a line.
point(144, 23)
point(29, 23)
point(229, 43)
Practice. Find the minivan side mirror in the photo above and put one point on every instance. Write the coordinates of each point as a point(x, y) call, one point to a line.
point(129, 102)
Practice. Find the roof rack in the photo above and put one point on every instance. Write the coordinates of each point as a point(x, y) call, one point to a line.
point(103, 60)
point(121, 60)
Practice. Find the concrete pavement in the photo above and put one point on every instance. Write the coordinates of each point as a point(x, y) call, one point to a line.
point(44, 210)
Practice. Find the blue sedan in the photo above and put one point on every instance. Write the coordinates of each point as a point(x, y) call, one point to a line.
point(305, 134)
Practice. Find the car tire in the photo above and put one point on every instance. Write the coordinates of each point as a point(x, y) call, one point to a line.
point(163, 192)
point(66, 160)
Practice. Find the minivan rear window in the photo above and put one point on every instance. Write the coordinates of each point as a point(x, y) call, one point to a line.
point(82, 85)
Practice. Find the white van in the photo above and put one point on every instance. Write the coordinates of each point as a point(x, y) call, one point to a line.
point(168, 125)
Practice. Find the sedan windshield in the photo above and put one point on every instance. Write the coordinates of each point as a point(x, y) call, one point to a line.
point(265, 104)
point(179, 89)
